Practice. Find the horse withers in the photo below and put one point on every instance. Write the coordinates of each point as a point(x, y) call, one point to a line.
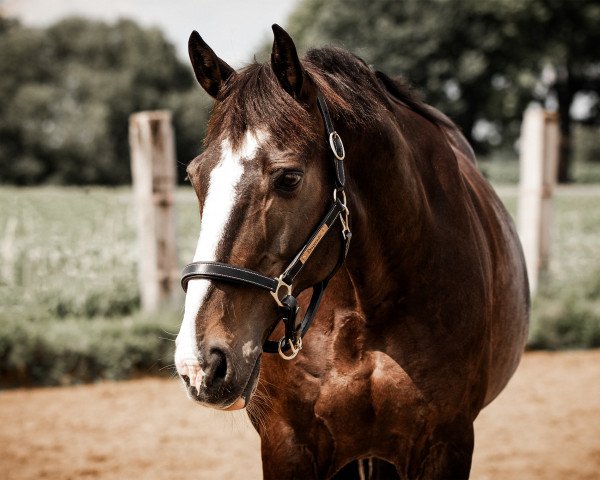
point(323, 175)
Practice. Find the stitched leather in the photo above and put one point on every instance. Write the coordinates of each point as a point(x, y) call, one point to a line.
point(296, 265)
point(340, 176)
point(224, 271)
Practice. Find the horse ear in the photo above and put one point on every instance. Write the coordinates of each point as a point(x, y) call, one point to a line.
point(288, 69)
point(211, 72)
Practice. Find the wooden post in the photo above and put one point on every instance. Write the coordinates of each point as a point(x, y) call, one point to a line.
point(7, 253)
point(538, 169)
point(153, 170)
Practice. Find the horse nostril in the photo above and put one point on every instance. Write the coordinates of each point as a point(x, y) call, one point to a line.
point(221, 370)
point(217, 367)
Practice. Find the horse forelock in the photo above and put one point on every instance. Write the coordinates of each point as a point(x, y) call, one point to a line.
point(254, 100)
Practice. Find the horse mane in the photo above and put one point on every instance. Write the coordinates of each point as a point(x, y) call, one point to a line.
point(373, 85)
point(401, 91)
point(354, 93)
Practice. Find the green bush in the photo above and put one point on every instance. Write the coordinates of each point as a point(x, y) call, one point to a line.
point(79, 350)
point(118, 300)
point(567, 316)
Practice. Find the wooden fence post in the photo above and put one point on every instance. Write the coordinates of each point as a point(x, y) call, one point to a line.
point(153, 170)
point(538, 165)
point(7, 253)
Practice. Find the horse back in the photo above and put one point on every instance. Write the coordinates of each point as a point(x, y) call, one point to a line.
point(498, 246)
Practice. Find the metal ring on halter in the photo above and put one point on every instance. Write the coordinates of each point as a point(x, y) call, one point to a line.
point(333, 136)
point(335, 192)
point(275, 294)
point(295, 348)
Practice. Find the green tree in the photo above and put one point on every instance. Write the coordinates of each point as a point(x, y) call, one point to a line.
point(565, 35)
point(479, 61)
point(66, 93)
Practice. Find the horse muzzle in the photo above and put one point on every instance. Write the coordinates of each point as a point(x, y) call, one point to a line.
point(214, 381)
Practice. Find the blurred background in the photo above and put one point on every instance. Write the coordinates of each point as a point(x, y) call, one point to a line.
point(73, 72)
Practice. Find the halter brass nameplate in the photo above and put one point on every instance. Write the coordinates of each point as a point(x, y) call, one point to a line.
point(312, 245)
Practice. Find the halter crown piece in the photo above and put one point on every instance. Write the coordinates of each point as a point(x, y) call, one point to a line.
point(281, 287)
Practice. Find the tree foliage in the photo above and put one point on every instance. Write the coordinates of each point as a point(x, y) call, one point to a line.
point(479, 61)
point(66, 93)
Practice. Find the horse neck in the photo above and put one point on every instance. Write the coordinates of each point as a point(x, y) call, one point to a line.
point(401, 179)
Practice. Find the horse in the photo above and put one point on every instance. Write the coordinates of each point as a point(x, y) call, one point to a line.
point(340, 177)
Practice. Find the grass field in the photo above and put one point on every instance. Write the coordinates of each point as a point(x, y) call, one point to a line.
point(69, 301)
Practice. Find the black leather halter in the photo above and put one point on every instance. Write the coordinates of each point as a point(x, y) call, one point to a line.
point(281, 287)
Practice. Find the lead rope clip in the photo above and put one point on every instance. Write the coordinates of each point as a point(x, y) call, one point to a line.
point(280, 284)
point(344, 215)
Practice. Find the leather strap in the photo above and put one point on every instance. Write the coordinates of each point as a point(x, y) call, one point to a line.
point(335, 143)
point(315, 300)
point(297, 264)
point(287, 313)
point(226, 272)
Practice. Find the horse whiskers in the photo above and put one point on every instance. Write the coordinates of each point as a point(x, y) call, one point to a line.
point(260, 411)
point(262, 394)
point(169, 333)
point(260, 417)
point(258, 414)
point(261, 402)
point(263, 384)
point(167, 339)
point(170, 366)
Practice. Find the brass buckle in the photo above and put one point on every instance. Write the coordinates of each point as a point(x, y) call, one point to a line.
point(295, 348)
point(275, 294)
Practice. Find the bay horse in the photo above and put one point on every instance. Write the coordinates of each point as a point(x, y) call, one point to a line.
point(425, 315)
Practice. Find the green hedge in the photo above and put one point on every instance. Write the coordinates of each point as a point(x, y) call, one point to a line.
point(73, 350)
point(567, 316)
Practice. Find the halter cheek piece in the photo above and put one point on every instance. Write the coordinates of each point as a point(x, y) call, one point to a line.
point(281, 287)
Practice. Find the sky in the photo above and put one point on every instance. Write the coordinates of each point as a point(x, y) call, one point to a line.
point(235, 29)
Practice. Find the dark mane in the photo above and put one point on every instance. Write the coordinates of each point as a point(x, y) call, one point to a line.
point(354, 93)
point(402, 92)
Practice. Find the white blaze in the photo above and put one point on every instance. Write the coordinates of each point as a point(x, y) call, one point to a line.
point(219, 203)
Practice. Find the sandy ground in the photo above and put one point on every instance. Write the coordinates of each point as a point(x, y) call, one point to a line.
point(545, 425)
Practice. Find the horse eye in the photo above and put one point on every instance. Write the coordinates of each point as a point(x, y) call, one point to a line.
point(288, 181)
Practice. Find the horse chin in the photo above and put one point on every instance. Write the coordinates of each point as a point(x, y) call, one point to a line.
point(244, 399)
point(237, 405)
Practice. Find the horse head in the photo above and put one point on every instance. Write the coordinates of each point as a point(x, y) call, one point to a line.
point(264, 182)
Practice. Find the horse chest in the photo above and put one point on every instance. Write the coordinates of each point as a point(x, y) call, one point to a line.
point(376, 398)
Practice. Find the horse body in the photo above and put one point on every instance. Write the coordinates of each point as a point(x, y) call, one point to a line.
point(420, 335)
point(426, 321)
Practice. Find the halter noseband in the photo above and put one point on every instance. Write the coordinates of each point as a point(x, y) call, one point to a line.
point(281, 287)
